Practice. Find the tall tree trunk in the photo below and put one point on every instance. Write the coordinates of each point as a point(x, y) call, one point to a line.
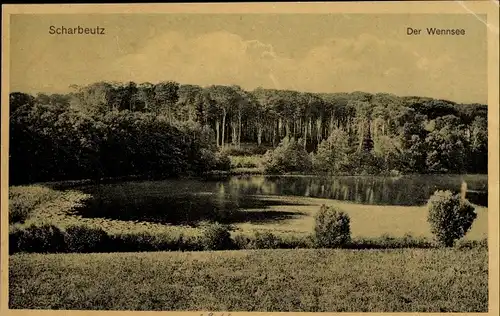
point(305, 134)
point(217, 131)
point(318, 129)
point(274, 134)
point(234, 139)
point(310, 128)
point(239, 129)
point(279, 127)
point(259, 133)
point(360, 136)
point(299, 125)
point(223, 127)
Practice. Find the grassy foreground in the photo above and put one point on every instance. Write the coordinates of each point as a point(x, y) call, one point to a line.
point(408, 280)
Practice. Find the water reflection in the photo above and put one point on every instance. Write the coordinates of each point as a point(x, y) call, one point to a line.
point(410, 190)
point(246, 199)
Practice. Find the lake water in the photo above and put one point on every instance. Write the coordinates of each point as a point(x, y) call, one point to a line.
point(239, 198)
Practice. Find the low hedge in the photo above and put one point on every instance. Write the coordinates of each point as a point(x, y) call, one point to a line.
point(47, 238)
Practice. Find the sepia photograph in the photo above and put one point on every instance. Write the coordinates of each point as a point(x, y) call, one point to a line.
point(271, 158)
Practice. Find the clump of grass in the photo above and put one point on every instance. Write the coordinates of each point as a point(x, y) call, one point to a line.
point(23, 200)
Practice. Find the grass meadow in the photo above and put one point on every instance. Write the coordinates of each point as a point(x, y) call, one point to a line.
point(307, 280)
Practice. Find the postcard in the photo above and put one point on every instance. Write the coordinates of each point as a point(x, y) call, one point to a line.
point(250, 158)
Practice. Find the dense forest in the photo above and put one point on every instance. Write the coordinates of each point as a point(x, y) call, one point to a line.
point(167, 129)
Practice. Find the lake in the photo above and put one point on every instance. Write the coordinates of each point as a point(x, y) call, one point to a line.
point(237, 199)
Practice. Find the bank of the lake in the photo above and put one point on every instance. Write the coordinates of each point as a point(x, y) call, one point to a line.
point(282, 215)
point(284, 206)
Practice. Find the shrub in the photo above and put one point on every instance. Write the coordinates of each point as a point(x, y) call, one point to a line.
point(332, 228)
point(471, 244)
point(266, 240)
point(222, 161)
point(294, 242)
point(145, 241)
point(135, 242)
point(45, 238)
point(217, 237)
point(289, 156)
point(450, 217)
point(86, 239)
point(390, 242)
point(15, 234)
point(242, 242)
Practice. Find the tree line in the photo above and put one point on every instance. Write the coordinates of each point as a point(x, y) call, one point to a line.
point(409, 134)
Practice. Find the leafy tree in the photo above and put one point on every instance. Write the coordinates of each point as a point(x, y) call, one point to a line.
point(69, 136)
point(165, 96)
point(446, 150)
point(333, 153)
point(289, 156)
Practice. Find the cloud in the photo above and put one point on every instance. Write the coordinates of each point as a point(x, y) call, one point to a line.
point(214, 58)
point(364, 63)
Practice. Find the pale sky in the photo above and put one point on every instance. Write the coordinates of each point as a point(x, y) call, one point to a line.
point(306, 52)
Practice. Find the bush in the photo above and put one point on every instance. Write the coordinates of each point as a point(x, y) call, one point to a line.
point(450, 217)
point(86, 239)
point(217, 237)
point(390, 242)
point(45, 238)
point(135, 242)
point(289, 156)
point(222, 161)
point(242, 242)
point(266, 240)
point(145, 241)
point(15, 234)
point(472, 244)
point(332, 228)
